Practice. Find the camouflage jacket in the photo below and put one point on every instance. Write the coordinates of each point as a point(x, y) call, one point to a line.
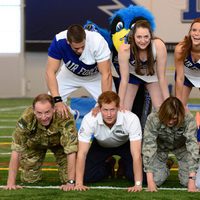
point(159, 138)
point(30, 134)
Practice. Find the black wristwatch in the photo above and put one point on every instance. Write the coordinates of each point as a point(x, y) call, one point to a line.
point(192, 177)
point(57, 99)
point(71, 181)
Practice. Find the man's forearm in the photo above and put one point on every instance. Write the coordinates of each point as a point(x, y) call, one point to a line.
point(137, 168)
point(106, 82)
point(52, 68)
point(52, 84)
point(13, 168)
point(71, 165)
point(80, 168)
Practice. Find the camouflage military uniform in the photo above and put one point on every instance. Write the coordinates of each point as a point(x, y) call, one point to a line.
point(159, 140)
point(32, 140)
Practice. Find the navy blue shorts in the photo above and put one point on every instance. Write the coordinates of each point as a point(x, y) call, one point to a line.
point(186, 81)
point(132, 79)
point(135, 80)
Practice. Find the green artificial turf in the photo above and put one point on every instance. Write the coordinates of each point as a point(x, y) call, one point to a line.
point(51, 178)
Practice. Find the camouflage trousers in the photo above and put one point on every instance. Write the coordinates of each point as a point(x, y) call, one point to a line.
point(161, 171)
point(31, 162)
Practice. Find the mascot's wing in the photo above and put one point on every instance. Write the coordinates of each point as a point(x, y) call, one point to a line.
point(104, 32)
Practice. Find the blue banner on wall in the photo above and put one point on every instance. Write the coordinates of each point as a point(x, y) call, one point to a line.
point(45, 18)
point(192, 11)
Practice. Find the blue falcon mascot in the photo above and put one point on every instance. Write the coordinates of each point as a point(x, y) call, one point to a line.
point(120, 26)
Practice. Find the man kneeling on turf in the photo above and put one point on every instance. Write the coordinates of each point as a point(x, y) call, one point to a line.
point(115, 133)
point(37, 130)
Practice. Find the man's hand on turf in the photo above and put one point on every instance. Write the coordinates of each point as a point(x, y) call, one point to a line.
point(135, 188)
point(12, 187)
point(81, 188)
point(67, 187)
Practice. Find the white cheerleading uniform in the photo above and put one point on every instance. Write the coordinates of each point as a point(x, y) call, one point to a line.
point(79, 71)
point(192, 71)
point(145, 78)
point(127, 127)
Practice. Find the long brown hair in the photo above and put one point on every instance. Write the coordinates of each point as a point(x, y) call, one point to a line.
point(134, 48)
point(186, 44)
point(170, 108)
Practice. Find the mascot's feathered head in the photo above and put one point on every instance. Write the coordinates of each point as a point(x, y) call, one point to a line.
point(124, 19)
point(121, 23)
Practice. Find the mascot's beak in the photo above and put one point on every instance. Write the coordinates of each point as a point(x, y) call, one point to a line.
point(119, 38)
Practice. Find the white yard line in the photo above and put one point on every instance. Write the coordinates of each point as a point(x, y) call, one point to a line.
point(43, 169)
point(97, 187)
point(5, 136)
point(5, 153)
point(8, 153)
point(8, 120)
point(2, 127)
point(12, 108)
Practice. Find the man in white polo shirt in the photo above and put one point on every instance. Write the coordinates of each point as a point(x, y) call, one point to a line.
point(114, 133)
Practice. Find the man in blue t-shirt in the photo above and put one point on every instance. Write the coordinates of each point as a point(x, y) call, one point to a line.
point(86, 63)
